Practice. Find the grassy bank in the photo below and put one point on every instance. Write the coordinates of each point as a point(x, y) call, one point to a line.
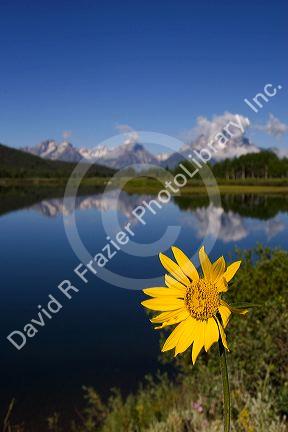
point(192, 400)
point(59, 182)
point(148, 185)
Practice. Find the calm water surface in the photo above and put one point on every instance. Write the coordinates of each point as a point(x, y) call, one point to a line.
point(102, 336)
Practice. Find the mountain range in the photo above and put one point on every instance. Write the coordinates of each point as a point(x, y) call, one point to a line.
point(119, 157)
point(136, 153)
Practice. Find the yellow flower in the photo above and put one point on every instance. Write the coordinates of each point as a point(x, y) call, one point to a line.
point(193, 302)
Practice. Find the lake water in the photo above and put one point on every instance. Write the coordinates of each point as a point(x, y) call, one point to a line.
point(102, 337)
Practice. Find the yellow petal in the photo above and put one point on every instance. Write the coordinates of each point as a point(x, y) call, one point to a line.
point(182, 316)
point(163, 291)
point(231, 270)
point(187, 337)
point(222, 284)
point(218, 268)
point(163, 304)
point(222, 334)
point(185, 263)
point(173, 268)
point(199, 340)
point(211, 333)
point(225, 313)
point(164, 316)
point(205, 263)
point(173, 283)
point(172, 340)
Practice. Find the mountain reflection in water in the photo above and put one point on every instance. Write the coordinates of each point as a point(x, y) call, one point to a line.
point(228, 220)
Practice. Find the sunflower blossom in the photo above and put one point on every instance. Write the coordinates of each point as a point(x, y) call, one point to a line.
point(193, 302)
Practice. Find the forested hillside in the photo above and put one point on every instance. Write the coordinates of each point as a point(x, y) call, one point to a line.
point(18, 164)
point(265, 164)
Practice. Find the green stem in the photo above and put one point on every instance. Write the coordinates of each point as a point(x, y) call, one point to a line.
point(226, 390)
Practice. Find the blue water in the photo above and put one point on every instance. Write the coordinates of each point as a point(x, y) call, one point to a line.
point(102, 337)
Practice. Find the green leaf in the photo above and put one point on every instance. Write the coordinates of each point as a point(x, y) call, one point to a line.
point(244, 305)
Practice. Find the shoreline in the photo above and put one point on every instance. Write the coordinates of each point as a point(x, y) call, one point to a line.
point(142, 185)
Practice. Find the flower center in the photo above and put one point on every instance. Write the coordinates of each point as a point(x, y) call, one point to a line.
point(202, 299)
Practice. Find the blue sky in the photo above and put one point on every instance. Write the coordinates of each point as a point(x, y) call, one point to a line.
point(89, 66)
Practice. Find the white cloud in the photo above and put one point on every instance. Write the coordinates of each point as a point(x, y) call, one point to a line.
point(273, 227)
point(225, 133)
point(131, 136)
point(273, 127)
point(215, 222)
point(123, 128)
point(66, 134)
point(228, 225)
point(208, 129)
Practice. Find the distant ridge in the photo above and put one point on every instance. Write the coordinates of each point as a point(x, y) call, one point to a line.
point(130, 153)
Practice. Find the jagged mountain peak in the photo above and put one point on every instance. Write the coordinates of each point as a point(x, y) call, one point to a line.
point(50, 149)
